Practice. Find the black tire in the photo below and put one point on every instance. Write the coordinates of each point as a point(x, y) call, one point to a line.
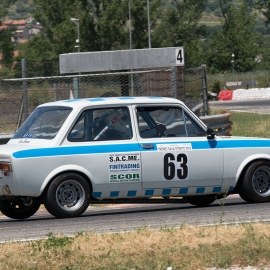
point(19, 210)
point(201, 200)
point(255, 186)
point(67, 196)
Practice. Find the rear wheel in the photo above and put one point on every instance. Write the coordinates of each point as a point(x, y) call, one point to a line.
point(67, 196)
point(201, 200)
point(255, 187)
point(19, 209)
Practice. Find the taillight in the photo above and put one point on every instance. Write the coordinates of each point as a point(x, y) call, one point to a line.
point(5, 166)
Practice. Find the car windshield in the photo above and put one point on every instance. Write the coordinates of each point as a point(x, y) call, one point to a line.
point(43, 123)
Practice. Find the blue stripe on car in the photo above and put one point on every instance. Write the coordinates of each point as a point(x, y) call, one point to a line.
point(183, 191)
point(95, 99)
point(166, 191)
point(97, 194)
point(156, 192)
point(216, 189)
point(76, 150)
point(114, 193)
point(128, 147)
point(200, 190)
point(149, 192)
point(132, 193)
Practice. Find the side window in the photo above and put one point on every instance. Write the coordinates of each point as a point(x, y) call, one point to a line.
point(102, 124)
point(193, 130)
point(166, 122)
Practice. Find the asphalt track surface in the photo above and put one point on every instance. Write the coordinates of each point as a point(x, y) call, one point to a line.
point(255, 106)
point(128, 217)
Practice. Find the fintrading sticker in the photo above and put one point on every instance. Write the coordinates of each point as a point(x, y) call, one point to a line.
point(125, 167)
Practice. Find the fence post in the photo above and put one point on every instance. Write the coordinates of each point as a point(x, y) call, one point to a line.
point(204, 91)
point(25, 92)
point(75, 87)
point(173, 82)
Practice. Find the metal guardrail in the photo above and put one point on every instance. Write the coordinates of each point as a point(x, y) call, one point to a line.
point(220, 123)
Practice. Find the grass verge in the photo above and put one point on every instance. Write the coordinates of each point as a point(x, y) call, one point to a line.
point(180, 248)
point(249, 124)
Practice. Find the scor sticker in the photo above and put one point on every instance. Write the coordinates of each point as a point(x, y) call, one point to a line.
point(125, 177)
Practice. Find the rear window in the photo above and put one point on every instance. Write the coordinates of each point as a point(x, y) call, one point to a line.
point(43, 123)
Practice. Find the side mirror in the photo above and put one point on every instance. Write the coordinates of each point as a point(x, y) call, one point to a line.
point(210, 133)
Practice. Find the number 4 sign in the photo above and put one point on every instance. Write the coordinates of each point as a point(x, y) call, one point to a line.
point(179, 56)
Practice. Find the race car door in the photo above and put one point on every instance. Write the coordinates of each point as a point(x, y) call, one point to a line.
point(175, 151)
point(106, 150)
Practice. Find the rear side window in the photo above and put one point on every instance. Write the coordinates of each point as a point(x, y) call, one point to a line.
point(43, 123)
point(101, 125)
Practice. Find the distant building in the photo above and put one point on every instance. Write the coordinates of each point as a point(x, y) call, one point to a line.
point(24, 30)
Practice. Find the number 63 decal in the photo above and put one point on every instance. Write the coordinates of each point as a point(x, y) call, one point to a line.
point(175, 166)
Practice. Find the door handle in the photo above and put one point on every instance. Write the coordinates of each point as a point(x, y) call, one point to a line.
point(147, 145)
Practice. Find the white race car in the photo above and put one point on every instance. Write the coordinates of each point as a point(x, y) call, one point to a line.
point(71, 153)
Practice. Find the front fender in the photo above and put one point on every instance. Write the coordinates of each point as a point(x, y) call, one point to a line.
point(62, 169)
point(247, 161)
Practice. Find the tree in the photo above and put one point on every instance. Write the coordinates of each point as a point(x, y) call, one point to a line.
point(237, 37)
point(180, 27)
point(103, 25)
point(140, 22)
point(264, 7)
point(6, 45)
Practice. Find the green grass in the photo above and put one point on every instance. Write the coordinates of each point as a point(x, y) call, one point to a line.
point(249, 124)
point(220, 246)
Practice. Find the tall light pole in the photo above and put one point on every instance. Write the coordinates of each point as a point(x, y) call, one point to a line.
point(130, 25)
point(233, 65)
point(77, 22)
point(76, 80)
point(149, 31)
point(130, 46)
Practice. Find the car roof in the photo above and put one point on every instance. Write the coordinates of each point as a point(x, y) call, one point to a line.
point(76, 103)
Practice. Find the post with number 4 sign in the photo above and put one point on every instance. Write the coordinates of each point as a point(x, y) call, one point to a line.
point(176, 71)
point(179, 56)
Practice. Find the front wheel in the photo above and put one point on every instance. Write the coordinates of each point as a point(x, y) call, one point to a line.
point(255, 187)
point(67, 196)
point(19, 209)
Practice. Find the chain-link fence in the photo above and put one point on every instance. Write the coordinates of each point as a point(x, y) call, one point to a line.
point(235, 80)
point(196, 90)
point(35, 83)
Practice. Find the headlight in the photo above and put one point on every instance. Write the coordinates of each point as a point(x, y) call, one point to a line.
point(5, 166)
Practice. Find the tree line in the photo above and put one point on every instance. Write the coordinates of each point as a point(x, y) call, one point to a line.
point(105, 25)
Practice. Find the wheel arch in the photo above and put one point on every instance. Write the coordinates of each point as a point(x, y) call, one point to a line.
point(63, 170)
point(244, 166)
